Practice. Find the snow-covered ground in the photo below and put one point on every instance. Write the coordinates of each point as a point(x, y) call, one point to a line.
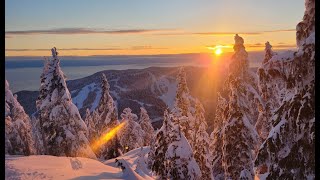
point(52, 167)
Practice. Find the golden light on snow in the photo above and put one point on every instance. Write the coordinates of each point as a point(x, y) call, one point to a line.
point(107, 137)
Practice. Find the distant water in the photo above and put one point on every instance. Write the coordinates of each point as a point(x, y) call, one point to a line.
point(23, 73)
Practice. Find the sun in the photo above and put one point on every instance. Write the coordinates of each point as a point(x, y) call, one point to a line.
point(218, 51)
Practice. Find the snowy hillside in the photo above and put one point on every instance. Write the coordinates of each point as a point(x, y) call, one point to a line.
point(52, 167)
point(153, 88)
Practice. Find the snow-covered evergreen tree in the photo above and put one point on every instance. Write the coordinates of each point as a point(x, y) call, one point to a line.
point(201, 139)
point(104, 118)
point(171, 155)
point(62, 128)
point(157, 154)
point(216, 137)
point(268, 52)
point(179, 157)
point(271, 101)
point(184, 107)
point(182, 100)
point(238, 140)
point(146, 127)
point(91, 127)
point(239, 64)
point(131, 135)
point(235, 139)
point(289, 150)
point(18, 131)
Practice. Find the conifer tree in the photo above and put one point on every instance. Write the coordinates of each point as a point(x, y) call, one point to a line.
point(180, 162)
point(171, 155)
point(104, 119)
point(63, 130)
point(183, 110)
point(200, 146)
point(268, 52)
point(131, 135)
point(146, 127)
point(157, 154)
point(288, 152)
point(235, 138)
point(18, 131)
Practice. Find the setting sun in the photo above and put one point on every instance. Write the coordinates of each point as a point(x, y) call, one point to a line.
point(218, 51)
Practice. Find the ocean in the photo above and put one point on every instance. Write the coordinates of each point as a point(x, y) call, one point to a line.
point(23, 73)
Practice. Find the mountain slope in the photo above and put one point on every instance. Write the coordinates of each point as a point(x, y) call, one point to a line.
point(153, 88)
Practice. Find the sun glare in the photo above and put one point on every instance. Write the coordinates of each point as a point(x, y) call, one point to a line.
point(218, 51)
point(107, 137)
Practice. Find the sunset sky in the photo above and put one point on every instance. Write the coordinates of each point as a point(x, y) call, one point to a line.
point(95, 27)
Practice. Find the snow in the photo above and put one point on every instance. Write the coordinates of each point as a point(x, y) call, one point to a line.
point(52, 167)
point(261, 176)
point(96, 100)
point(167, 89)
point(82, 95)
point(311, 39)
point(283, 56)
point(121, 89)
point(77, 168)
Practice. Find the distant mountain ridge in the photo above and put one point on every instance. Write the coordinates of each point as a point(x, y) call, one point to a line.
point(153, 88)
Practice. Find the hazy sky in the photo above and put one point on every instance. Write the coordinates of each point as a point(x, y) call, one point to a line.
point(96, 27)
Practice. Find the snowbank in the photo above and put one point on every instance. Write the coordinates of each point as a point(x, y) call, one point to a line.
point(52, 167)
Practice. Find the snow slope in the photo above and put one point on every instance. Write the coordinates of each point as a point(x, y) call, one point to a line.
point(52, 167)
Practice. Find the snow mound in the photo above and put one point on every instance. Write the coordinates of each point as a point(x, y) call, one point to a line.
point(75, 168)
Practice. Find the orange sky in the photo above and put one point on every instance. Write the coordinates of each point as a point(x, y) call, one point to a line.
point(83, 28)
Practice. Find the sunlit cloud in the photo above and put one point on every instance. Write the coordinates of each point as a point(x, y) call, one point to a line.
point(228, 33)
point(72, 31)
point(219, 47)
point(259, 45)
point(280, 30)
point(92, 49)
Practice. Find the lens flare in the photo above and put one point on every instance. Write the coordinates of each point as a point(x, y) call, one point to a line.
point(107, 136)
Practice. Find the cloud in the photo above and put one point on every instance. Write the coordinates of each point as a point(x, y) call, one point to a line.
point(228, 33)
point(68, 31)
point(73, 31)
point(280, 30)
point(256, 45)
point(274, 46)
point(90, 49)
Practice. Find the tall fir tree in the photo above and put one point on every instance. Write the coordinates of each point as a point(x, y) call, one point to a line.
point(104, 119)
point(202, 153)
point(183, 107)
point(171, 155)
point(91, 126)
point(63, 130)
point(19, 138)
point(264, 123)
point(180, 163)
point(146, 127)
point(131, 135)
point(289, 150)
point(157, 154)
point(268, 52)
point(234, 134)
point(216, 137)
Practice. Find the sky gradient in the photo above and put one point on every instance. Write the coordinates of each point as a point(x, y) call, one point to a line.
point(133, 27)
